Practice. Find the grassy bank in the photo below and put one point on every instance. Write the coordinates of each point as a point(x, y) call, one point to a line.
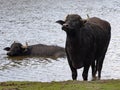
point(67, 85)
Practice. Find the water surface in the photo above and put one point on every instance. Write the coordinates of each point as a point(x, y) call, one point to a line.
point(33, 21)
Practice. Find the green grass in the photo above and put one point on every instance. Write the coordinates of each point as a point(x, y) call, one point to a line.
point(66, 85)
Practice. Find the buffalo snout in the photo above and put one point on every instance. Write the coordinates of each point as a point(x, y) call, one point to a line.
point(10, 54)
point(65, 27)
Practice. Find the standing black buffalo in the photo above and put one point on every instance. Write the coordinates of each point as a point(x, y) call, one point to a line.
point(17, 49)
point(86, 43)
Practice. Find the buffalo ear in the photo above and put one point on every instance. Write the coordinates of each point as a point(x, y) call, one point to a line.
point(61, 22)
point(7, 49)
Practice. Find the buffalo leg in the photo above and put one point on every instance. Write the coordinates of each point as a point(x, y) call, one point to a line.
point(73, 70)
point(99, 69)
point(85, 72)
point(99, 65)
point(93, 70)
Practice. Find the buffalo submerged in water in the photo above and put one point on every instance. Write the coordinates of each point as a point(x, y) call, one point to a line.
point(17, 49)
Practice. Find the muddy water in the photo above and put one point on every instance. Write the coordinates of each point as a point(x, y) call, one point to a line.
point(34, 21)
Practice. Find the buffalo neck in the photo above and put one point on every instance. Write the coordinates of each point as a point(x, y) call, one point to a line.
point(74, 35)
point(77, 38)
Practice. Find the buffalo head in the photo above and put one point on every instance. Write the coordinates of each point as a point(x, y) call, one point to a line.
point(16, 49)
point(72, 22)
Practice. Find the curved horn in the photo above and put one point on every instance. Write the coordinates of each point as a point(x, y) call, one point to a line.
point(88, 16)
point(85, 20)
point(27, 44)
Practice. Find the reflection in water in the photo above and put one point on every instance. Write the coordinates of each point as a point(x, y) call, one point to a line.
point(32, 69)
point(16, 62)
point(34, 22)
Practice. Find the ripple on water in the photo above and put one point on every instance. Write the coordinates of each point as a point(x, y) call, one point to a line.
point(34, 22)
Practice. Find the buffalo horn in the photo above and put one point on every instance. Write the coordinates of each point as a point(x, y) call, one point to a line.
point(88, 16)
point(26, 46)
